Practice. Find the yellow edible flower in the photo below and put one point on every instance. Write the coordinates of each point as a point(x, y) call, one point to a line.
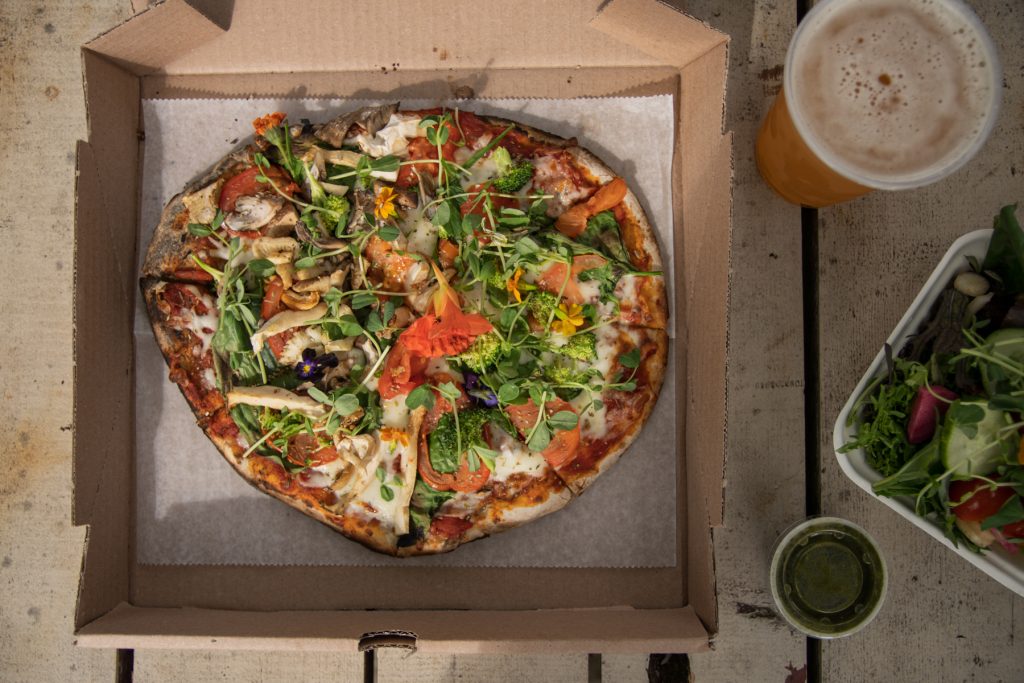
point(384, 204)
point(513, 286)
point(568, 319)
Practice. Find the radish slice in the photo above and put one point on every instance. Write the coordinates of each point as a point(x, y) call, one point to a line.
point(926, 410)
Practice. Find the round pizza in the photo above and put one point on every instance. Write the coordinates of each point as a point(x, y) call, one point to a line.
point(417, 327)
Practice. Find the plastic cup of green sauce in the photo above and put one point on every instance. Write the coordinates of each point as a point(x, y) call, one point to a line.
point(827, 577)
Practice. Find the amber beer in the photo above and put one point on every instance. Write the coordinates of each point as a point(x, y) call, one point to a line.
point(879, 94)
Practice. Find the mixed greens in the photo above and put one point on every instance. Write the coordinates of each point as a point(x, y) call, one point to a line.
point(943, 425)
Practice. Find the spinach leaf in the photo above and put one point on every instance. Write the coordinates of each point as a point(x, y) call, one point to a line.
point(913, 476)
point(1005, 254)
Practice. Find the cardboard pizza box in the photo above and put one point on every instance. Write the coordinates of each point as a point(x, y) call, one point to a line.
point(578, 48)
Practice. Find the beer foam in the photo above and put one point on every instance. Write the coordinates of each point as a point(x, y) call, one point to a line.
point(892, 90)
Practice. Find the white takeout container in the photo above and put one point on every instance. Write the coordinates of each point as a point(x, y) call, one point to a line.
point(1005, 568)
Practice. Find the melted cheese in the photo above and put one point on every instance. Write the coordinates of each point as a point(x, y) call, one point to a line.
point(421, 236)
point(513, 457)
point(391, 139)
point(244, 254)
point(396, 413)
point(387, 511)
point(482, 170)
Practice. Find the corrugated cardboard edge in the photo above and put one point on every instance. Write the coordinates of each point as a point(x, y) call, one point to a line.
point(706, 165)
point(435, 632)
point(131, 45)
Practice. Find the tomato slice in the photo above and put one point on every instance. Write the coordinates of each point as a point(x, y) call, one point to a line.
point(272, 298)
point(448, 526)
point(564, 442)
point(245, 184)
point(573, 222)
point(476, 203)
point(983, 501)
point(1014, 531)
point(467, 481)
point(304, 449)
point(554, 277)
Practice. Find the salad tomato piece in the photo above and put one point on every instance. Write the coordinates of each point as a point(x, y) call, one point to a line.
point(1013, 531)
point(979, 501)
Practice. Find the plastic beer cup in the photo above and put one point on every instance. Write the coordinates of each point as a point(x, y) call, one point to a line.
point(879, 94)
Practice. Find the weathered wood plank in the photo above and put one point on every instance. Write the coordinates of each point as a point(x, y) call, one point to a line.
point(943, 620)
point(765, 456)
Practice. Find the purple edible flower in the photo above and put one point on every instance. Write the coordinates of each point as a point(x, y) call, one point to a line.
point(479, 392)
point(312, 366)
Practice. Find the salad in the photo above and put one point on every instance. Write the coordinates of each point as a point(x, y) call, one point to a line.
point(944, 424)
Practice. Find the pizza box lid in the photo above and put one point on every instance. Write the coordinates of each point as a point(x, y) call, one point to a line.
point(582, 48)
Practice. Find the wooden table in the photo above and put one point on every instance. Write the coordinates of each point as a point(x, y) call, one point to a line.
point(814, 296)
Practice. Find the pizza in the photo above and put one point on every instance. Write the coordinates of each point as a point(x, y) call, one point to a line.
point(417, 327)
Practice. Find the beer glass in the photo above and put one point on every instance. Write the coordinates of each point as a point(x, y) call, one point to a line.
point(879, 94)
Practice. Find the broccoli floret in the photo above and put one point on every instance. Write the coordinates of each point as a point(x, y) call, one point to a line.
point(444, 440)
point(580, 347)
point(335, 214)
point(484, 352)
point(561, 374)
point(541, 304)
point(514, 178)
point(497, 280)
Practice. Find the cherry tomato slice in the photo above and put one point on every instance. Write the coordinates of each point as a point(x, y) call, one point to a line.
point(982, 503)
point(245, 184)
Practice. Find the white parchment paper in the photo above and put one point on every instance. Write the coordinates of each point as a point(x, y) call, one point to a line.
point(191, 506)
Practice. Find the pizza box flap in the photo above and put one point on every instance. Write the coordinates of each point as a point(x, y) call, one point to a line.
point(519, 631)
point(157, 35)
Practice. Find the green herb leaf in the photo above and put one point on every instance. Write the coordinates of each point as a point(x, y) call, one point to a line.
point(540, 438)
point(319, 395)
point(381, 474)
point(563, 420)
point(1012, 511)
point(386, 493)
point(632, 359)
point(362, 300)
point(508, 392)
point(346, 404)
point(442, 214)
point(420, 396)
point(199, 230)
point(389, 233)
point(261, 267)
point(307, 262)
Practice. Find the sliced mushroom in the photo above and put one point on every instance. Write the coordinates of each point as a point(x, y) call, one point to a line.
point(286, 320)
point(286, 271)
point(276, 398)
point(363, 454)
point(370, 351)
point(339, 345)
point(283, 222)
point(300, 301)
point(403, 316)
point(316, 270)
point(337, 278)
point(277, 250)
point(371, 119)
point(317, 284)
point(408, 471)
point(420, 301)
point(302, 230)
point(253, 212)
